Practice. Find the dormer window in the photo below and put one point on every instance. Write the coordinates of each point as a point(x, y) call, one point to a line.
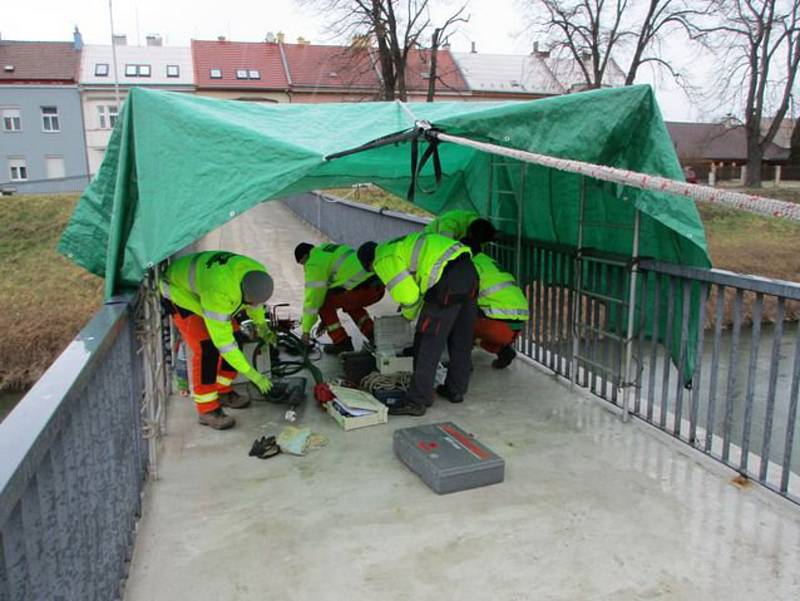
point(241, 73)
point(101, 70)
point(137, 70)
point(8, 68)
point(173, 71)
point(144, 70)
point(215, 74)
point(254, 74)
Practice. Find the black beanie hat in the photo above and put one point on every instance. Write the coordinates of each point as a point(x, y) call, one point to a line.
point(301, 250)
point(366, 254)
point(481, 230)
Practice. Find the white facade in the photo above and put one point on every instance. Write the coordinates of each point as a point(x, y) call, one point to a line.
point(162, 67)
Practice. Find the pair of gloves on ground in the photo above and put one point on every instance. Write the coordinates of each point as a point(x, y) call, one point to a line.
point(259, 380)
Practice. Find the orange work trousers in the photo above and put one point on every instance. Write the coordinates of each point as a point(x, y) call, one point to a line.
point(211, 374)
point(351, 302)
point(494, 334)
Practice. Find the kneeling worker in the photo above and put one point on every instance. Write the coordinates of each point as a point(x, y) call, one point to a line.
point(205, 291)
point(336, 280)
point(433, 277)
point(459, 224)
point(502, 308)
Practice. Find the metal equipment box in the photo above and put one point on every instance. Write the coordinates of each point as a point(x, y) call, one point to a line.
point(447, 458)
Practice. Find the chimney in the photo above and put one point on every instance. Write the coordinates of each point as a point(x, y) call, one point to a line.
point(474, 49)
point(120, 40)
point(77, 39)
point(536, 47)
point(155, 40)
point(270, 37)
point(281, 37)
point(302, 41)
point(220, 38)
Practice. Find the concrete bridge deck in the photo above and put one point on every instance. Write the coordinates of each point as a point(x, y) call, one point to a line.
point(591, 508)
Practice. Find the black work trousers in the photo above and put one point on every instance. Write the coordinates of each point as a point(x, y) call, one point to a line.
point(448, 316)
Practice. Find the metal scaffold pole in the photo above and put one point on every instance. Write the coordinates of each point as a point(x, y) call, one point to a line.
point(628, 382)
point(577, 283)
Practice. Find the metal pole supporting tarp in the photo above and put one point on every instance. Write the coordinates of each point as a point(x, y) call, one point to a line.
point(628, 382)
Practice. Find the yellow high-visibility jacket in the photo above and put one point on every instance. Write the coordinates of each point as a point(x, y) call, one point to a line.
point(209, 284)
point(412, 265)
point(452, 224)
point(329, 266)
point(499, 297)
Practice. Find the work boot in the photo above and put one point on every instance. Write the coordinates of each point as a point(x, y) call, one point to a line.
point(504, 357)
point(335, 349)
point(407, 407)
point(233, 400)
point(216, 419)
point(443, 391)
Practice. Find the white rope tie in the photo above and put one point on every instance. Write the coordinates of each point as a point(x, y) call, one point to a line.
point(755, 204)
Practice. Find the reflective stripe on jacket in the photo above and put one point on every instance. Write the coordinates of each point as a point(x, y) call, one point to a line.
point(209, 284)
point(328, 266)
point(499, 297)
point(452, 224)
point(412, 265)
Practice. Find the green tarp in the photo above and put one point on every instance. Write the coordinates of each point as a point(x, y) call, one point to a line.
point(178, 166)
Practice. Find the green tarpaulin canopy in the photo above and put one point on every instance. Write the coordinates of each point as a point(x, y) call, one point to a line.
point(178, 166)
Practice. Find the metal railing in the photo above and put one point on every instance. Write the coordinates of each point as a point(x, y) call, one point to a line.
point(72, 468)
point(739, 406)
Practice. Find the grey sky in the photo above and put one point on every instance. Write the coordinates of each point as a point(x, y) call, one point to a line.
point(495, 26)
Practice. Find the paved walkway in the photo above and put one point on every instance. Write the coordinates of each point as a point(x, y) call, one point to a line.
point(591, 508)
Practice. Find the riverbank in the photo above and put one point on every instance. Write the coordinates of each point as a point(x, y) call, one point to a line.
point(44, 298)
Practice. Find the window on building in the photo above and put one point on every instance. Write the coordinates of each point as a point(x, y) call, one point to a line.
point(131, 70)
point(107, 115)
point(50, 119)
point(54, 167)
point(12, 120)
point(173, 71)
point(254, 74)
point(18, 169)
point(101, 70)
point(215, 73)
point(144, 70)
point(241, 73)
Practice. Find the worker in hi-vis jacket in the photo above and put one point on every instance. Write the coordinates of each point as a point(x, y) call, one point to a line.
point(334, 279)
point(432, 277)
point(459, 223)
point(502, 308)
point(204, 292)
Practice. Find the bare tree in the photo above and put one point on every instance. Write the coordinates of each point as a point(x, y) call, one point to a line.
point(441, 37)
point(593, 31)
point(395, 26)
point(758, 48)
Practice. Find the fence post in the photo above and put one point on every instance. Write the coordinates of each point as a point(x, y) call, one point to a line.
point(743, 175)
point(712, 175)
point(777, 175)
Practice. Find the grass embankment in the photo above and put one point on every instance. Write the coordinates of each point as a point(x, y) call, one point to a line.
point(44, 298)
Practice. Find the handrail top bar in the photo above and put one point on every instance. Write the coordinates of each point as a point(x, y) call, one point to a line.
point(722, 277)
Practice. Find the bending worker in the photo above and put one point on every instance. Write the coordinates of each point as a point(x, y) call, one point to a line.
point(336, 280)
point(502, 308)
point(204, 293)
point(433, 277)
point(458, 224)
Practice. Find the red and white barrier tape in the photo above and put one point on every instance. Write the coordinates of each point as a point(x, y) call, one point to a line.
point(747, 202)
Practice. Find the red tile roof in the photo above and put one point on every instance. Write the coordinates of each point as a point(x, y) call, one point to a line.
point(229, 56)
point(39, 62)
point(448, 75)
point(338, 67)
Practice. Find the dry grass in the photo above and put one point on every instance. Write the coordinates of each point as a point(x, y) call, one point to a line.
point(44, 299)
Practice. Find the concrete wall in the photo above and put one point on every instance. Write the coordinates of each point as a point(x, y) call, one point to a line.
point(35, 145)
point(352, 223)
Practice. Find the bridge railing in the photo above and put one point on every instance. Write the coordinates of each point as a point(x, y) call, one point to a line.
point(73, 460)
point(740, 406)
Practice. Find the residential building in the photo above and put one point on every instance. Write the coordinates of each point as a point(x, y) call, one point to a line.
point(153, 66)
point(250, 71)
point(721, 147)
point(42, 146)
point(526, 77)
